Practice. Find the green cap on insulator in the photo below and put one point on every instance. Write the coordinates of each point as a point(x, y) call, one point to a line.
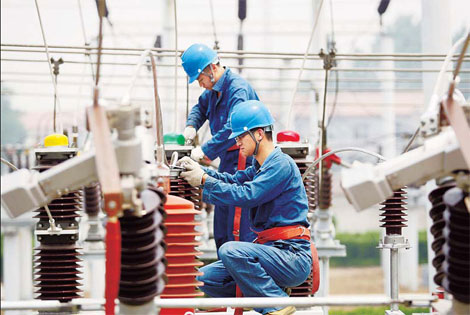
point(173, 138)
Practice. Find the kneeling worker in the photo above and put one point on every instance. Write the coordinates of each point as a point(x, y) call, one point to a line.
point(273, 190)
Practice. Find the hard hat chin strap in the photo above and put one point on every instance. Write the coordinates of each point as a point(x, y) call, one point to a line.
point(256, 141)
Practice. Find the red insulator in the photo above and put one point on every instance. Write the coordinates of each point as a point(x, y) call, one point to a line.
point(142, 252)
point(181, 253)
point(393, 213)
point(324, 199)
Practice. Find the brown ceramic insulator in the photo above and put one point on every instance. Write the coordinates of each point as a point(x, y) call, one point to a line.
point(310, 183)
point(142, 252)
point(394, 217)
point(56, 271)
point(92, 199)
point(324, 199)
point(456, 249)
point(305, 289)
point(181, 188)
point(57, 259)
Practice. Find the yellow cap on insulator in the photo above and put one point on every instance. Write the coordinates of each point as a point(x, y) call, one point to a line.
point(56, 139)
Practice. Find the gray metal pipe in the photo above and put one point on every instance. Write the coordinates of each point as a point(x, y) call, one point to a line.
point(339, 300)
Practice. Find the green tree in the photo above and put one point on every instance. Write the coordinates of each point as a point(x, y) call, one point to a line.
point(12, 130)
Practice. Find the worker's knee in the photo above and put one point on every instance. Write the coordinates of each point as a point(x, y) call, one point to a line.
point(227, 249)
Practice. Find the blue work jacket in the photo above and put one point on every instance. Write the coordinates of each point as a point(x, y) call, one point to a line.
point(274, 192)
point(233, 90)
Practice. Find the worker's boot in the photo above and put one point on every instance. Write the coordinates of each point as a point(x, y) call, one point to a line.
point(285, 311)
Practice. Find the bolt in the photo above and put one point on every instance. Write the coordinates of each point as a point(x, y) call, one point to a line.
point(40, 225)
point(39, 238)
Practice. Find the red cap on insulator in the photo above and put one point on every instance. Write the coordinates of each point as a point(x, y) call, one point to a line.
point(329, 160)
point(288, 136)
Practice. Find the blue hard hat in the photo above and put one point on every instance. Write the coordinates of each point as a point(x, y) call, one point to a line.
point(248, 115)
point(196, 58)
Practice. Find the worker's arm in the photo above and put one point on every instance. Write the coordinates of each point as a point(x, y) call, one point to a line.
point(219, 143)
point(239, 177)
point(267, 185)
point(198, 114)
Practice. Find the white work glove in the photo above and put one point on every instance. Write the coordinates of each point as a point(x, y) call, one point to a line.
point(193, 174)
point(197, 154)
point(189, 133)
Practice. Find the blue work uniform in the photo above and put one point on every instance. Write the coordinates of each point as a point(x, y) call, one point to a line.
point(233, 89)
point(276, 196)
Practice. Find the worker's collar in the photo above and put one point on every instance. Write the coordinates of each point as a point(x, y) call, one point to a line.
point(219, 85)
point(271, 156)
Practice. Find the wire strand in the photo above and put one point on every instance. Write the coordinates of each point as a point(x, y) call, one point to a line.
point(9, 164)
point(176, 70)
point(303, 65)
point(216, 42)
point(56, 97)
point(82, 23)
point(324, 156)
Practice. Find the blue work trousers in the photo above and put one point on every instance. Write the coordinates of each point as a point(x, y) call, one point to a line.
point(223, 215)
point(259, 270)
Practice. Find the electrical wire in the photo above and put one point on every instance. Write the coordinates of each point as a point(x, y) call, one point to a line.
point(335, 99)
point(82, 23)
point(303, 65)
point(324, 156)
point(9, 164)
point(216, 42)
point(176, 70)
point(54, 83)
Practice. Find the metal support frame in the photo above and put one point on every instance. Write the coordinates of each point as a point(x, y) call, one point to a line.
point(394, 243)
point(414, 300)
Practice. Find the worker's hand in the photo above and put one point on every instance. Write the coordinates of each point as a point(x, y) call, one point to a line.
point(194, 172)
point(197, 154)
point(189, 133)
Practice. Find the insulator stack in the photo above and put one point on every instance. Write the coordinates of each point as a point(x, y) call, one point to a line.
point(142, 252)
point(394, 217)
point(57, 258)
point(305, 289)
point(181, 188)
point(455, 269)
point(310, 183)
point(436, 213)
point(92, 199)
point(181, 253)
point(324, 198)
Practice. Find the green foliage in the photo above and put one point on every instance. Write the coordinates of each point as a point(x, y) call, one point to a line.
point(12, 130)
point(377, 311)
point(362, 249)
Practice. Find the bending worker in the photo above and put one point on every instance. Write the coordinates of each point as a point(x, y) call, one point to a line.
point(272, 188)
point(223, 91)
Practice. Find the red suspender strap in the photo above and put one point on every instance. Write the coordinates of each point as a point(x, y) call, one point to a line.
point(236, 224)
point(238, 211)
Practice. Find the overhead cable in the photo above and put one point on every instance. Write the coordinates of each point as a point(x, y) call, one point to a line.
point(216, 42)
point(56, 94)
point(303, 64)
point(176, 70)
